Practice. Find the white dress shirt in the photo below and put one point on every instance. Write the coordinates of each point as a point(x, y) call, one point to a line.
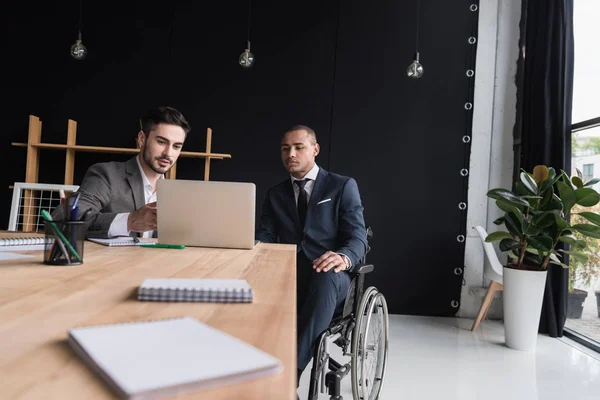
point(308, 186)
point(311, 176)
point(119, 225)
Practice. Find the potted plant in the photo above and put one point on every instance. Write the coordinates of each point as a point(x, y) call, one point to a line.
point(581, 270)
point(536, 217)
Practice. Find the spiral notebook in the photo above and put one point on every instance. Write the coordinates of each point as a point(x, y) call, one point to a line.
point(24, 243)
point(143, 360)
point(201, 290)
point(120, 241)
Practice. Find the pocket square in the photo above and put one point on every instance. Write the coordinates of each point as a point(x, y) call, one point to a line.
point(324, 201)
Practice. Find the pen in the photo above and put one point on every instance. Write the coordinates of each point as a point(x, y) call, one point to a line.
point(75, 202)
point(163, 246)
point(60, 235)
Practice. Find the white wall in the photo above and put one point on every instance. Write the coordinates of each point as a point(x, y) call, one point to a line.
point(491, 163)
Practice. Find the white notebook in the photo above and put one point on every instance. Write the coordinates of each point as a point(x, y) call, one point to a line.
point(203, 290)
point(120, 241)
point(24, 243)
point(144, 360)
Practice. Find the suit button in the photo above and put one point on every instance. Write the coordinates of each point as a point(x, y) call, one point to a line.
point(303, 242)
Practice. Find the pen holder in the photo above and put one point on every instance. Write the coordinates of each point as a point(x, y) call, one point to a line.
point(64, 242)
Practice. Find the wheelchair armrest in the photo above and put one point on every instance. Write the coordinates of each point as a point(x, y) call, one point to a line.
point(362, 269)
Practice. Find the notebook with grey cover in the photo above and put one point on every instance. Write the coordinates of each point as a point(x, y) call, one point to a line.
point(145, 360)
point(201, 290)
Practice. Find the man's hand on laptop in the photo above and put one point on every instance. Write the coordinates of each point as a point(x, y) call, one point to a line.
point(142, 219)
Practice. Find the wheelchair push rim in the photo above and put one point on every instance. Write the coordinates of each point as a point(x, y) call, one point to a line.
point(370, 342)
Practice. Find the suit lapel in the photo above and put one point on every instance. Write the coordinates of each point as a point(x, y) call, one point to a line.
point(134, 178)
point(317, 193)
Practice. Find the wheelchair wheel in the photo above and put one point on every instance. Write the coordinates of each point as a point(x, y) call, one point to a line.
point(370, 342)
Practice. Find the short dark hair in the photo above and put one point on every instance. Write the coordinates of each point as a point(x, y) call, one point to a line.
point(163, 115)
point(310, 132)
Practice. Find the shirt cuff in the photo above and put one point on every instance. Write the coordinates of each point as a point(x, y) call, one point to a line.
point(346, 260)
point(118, 227)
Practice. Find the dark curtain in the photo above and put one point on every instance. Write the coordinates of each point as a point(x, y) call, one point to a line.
point(543, 128)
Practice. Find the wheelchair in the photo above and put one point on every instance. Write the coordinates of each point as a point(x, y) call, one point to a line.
point(362, 328)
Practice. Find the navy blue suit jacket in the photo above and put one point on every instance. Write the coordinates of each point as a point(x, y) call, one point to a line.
point(334, 219)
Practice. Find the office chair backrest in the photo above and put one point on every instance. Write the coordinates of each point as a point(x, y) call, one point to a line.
point(494, 270)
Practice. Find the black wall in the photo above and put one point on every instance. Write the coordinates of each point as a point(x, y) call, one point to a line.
point(337, 66)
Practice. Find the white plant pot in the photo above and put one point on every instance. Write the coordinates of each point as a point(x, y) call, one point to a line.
point(522, 301)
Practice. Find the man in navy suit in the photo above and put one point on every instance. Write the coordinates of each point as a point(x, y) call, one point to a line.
point(321, 213)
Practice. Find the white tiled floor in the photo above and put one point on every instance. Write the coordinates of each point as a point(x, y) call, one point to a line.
point(440, 358)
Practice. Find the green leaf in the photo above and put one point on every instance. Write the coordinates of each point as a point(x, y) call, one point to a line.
point(531, 230)
point(547, 193)
point(577, 182)
point(567, 196)
point(590, 216)
point(587, 197)
point(582, 257)
point(532, 197)
point(592, 182)
point(564, 177)
point(541, 243)
point(552, 179)
point(493, 237)
point(554, 204)
point(543, 220)
point(587, 230)
point(521, 190)
point(509, 207)
point(560, 222)
point(499, 221)
point(509, 244)
point(572, 241)
point(529, 182)
point(513, 255)
point(507, 195)
point(513, 224)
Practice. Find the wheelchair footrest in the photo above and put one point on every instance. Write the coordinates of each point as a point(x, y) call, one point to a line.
point(333, 380)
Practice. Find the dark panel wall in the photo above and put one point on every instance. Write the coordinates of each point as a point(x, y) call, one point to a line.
point(402, 140)
point(338, 67)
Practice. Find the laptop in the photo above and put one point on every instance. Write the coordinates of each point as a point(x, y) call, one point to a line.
point(206, 214)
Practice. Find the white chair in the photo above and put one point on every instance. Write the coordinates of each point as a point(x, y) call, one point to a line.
point(492, 272)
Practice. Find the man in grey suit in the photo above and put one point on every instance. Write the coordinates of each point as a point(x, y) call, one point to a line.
point(320, 212)
point(119, 198)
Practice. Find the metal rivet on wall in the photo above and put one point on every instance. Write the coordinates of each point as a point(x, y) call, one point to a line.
point(468, 106)
point(454, 304)
point(457, 271)
point(473, 7)
point(462, 205)
point(470, 73)
point(464, 172)
point(472, 40)
point(460, 238)
point(466, 139)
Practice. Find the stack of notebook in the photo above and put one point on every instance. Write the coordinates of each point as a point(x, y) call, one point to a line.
point(144, 360)
point(202, 290)
point(24, 243)
point(120, 241)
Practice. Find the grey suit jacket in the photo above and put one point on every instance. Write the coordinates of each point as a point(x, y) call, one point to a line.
point(106, 190)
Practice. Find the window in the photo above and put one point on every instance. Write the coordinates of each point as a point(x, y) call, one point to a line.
point(583, 312)
point(588, 172)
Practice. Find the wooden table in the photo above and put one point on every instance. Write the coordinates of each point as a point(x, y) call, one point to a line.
point(40, 303)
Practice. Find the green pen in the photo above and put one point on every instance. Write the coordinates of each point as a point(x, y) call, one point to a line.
point(163, 246)
point(61, 237)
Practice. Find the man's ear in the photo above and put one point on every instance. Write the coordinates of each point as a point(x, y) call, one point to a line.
point(317, 149)
point(141, 139)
